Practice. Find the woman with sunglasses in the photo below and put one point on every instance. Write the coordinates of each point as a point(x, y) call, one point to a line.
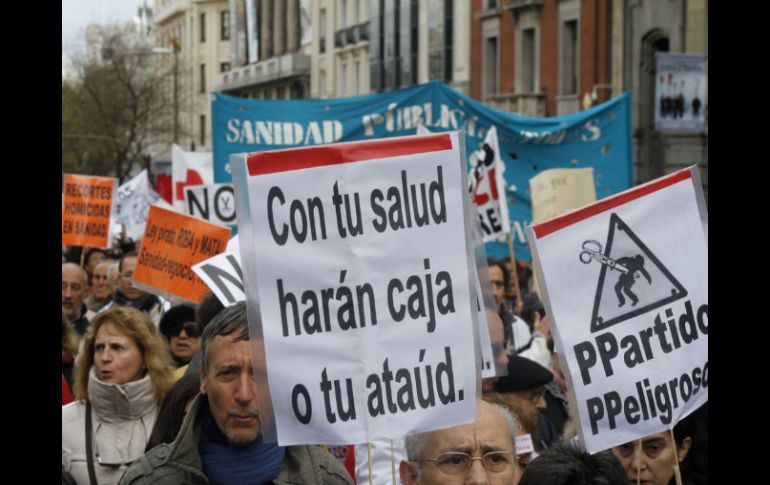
point(182, 333)
point(122, 374)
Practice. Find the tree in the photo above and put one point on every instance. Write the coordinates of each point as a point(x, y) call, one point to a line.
point(115, 108)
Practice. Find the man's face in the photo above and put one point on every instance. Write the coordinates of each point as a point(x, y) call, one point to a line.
point(126, 273)
point(530, 403)
point(497, 337)
point(497, 282)
point(231, 389)
point(101, 281)
point(488, 433)
point(73, 289)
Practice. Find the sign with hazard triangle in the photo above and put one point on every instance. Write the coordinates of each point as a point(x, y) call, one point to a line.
point(624, 281)
point(632, 281)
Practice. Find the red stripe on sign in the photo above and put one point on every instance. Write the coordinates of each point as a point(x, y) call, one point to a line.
point(262, 163)
point(560, 222)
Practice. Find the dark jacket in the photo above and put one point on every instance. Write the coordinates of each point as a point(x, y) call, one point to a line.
point(180, 461)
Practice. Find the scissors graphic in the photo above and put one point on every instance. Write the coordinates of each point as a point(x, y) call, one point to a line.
point(593, 250)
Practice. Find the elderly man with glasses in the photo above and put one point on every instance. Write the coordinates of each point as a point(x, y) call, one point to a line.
point(522, 391)
point(481, 452)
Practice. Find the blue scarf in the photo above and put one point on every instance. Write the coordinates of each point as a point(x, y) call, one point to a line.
point(256, 463)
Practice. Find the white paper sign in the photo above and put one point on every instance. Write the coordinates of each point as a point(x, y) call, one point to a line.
point(626, 285)
point(491, 365)
point(224, 277)
point(213, 203)
point(487, 188)
point(133, 204)
point(189, 169)
point(357, 259)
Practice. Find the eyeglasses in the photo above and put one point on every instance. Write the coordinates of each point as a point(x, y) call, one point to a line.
point(190, 329)
point(537, 394)
point(458, 462)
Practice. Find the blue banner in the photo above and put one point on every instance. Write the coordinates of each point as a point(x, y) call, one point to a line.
point(599, 137)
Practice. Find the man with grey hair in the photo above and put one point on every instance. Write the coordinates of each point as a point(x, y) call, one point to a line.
point(74, 282)
point(481, 452)
point(103, 284)
point(220, 440)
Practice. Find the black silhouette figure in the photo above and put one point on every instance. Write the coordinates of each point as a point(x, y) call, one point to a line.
point(634, 264)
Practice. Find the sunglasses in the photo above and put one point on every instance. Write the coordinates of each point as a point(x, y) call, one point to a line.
point(190, 329)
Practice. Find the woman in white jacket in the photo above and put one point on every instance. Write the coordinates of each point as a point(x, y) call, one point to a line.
point(122, 374)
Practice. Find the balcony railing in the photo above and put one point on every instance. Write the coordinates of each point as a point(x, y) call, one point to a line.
point(351, 35)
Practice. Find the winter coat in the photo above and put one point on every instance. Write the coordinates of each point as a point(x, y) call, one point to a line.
point(180, 462)
point(122, 418)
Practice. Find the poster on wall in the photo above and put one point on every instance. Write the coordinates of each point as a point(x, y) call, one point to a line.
point(681, 92)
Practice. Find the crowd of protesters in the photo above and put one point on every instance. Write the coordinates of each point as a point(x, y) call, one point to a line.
point(157, 392)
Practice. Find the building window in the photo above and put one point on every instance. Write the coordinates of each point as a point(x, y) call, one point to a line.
point(528, 60)
point(203, 27)
point(322, 32)
point(224, 27)
point(440, 39)
point(203, 130)
point(490, 60)
point(224, 67)
point(569, 57)
point(322, 83)
point(203, 78)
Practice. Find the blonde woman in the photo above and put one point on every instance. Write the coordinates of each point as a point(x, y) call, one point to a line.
point(122, 374)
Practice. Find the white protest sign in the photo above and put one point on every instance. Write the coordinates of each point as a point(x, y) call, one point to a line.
point(625, 281)
point(357, 258)
point(134, 200)
point(491, 364)
point(487, 188)
point(223, 274)
point(213, 203)
point(189, 169)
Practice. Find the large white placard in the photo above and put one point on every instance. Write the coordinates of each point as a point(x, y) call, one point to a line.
point(358, 261)
point(625, 281)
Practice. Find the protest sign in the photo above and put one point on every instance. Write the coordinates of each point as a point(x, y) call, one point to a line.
point(491, 363)
point(358, 261)
point(625, 282)
point(599, 137)
point(223, 274)
point(134, 200)
point(556, 191)
point(172, 243)
point(213, 203)
point(487, 188)
point(189, 169)
point(87, 210)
